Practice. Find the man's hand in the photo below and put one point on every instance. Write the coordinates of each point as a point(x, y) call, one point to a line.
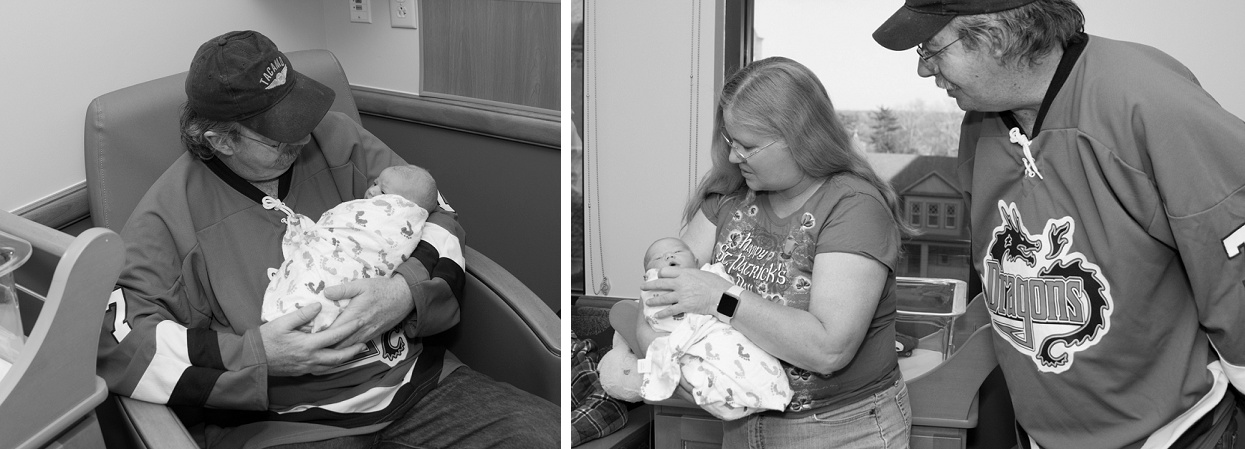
point(376, 305)
point(292, 352)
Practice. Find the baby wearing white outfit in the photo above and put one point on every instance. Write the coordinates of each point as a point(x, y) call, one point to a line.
point(356, 239)
point(730, 377)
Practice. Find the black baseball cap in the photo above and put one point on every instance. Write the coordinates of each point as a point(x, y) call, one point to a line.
point(240, 76)
point(919, 20)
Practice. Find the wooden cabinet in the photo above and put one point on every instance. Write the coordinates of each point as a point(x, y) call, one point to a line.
point(635, 435)
point(926, 437)
point(685, 427)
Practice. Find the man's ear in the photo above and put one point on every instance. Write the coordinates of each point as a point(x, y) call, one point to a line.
point(221, 143)
point(996, 43)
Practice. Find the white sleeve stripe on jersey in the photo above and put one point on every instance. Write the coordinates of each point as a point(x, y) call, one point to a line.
point(372, 400)
point(1170, 432)
point(445, 242)
point(167, 364)
point(1236, 373)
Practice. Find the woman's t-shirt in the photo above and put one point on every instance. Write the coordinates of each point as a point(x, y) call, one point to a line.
point(773, 257)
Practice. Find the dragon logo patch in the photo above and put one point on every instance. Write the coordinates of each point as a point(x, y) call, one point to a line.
point(1048, 301)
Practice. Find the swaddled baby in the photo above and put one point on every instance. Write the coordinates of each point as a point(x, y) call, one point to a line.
point(730, 376)
point(356, 239)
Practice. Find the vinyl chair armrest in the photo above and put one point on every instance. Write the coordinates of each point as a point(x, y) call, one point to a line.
point(506, 332)
point(154, 425)
point(530, 308)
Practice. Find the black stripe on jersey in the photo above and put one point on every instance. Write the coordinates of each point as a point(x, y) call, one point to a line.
point(452, 274)
point(245, 187)
point(204, 349)
point(195, 385)
point(1071, 53)
point(440, 267)
point(427, 255)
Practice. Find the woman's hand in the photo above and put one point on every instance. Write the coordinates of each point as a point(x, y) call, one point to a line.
point(686, 290)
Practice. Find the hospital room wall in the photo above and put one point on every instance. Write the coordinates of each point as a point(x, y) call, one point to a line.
point(60, 55)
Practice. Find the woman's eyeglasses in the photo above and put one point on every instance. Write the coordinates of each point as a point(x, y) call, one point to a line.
point(741, 151)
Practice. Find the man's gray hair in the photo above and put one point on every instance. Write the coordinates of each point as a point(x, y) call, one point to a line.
point(193, 126)
point(1025, 34)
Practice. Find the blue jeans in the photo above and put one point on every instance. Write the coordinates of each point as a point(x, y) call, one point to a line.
point(467, 410)
point(883, 420)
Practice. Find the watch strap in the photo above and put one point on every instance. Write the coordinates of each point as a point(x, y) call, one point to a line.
point(729, 303)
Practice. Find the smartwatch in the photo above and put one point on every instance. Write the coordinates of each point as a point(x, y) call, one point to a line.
point(729, 303)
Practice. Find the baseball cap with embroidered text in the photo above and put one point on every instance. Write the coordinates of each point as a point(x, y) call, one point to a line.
point(241, 77)
point(919, 20)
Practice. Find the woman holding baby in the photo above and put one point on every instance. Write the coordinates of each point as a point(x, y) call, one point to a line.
point(811, 237)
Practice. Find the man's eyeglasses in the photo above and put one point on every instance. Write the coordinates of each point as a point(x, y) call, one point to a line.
point(275, 146)
point(743, 152)
point(927, 57)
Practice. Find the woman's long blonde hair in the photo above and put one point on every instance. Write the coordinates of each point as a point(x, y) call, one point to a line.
point(783, 98)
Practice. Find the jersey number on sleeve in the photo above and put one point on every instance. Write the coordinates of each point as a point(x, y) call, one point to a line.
point(116, 304)
point(1232, 244)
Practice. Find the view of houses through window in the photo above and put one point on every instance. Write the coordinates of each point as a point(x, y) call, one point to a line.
point(906, 127)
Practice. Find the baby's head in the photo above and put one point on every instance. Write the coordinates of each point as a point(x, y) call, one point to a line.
point(408, 181)
point(669, 252)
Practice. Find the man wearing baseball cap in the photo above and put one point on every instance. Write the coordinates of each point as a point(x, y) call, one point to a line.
point(1107, 199)
point(186, 329)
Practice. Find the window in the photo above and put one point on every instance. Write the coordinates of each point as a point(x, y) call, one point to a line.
point(933, 215)
point(877, 91)
point(906, 126)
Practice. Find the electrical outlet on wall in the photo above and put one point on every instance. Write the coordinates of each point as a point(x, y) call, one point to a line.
point(361, 11)
point(402, 14)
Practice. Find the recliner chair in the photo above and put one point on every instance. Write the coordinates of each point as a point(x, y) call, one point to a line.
point(505, 331)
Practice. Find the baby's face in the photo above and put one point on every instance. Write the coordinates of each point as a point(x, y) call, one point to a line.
point(669, 253)
point(387, 182)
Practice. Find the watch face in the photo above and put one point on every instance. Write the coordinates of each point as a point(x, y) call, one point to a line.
point(727, 305)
